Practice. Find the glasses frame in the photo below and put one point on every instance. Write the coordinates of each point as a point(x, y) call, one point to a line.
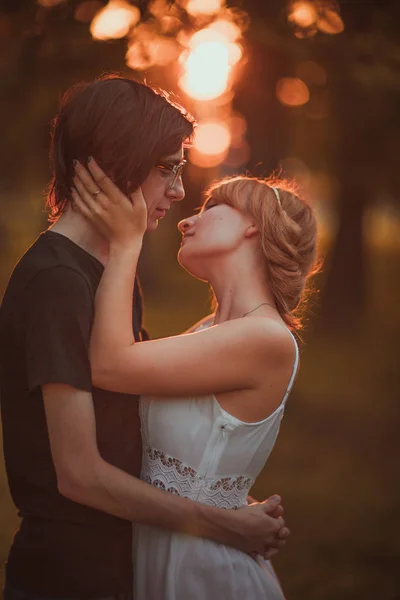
point(175, 170)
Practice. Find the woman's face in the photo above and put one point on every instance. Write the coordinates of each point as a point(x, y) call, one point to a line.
point(217, 231)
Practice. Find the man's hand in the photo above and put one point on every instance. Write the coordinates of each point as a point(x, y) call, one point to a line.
point(261, 532)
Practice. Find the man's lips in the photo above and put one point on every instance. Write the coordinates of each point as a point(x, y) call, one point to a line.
point(161, 212)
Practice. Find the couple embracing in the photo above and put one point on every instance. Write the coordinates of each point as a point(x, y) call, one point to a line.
point(104, 428)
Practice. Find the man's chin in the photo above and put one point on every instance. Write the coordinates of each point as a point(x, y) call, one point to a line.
point(152, 225)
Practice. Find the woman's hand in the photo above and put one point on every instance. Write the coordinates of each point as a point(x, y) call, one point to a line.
point(121, 220)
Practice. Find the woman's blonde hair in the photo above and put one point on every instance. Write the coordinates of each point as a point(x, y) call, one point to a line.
point(288, 235)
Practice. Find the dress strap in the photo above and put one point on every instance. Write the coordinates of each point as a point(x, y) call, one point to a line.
point(295, 367)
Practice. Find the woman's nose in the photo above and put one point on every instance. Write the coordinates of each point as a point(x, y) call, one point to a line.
point(185, 224)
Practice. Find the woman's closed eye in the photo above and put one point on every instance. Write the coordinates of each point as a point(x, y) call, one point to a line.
point(209, 205)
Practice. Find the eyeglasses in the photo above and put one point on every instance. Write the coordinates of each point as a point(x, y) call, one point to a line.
point(173, 171)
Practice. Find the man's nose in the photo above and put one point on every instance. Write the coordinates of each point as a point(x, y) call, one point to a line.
point(177, 192)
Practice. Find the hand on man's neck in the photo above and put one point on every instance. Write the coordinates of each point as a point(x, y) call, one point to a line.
point(75, 227)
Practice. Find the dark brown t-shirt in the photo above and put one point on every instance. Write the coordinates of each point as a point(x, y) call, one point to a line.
point(62, 548)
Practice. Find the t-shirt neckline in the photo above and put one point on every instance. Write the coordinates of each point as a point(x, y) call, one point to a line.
point(71, 243)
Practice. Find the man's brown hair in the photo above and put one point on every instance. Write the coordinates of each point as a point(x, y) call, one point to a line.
point(125, 125)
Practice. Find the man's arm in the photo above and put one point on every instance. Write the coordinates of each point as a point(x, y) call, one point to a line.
point(84, 477)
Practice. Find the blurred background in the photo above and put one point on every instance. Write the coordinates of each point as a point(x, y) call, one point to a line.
point(308, 88)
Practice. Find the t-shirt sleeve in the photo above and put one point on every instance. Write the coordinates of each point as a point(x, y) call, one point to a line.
point(58, 321)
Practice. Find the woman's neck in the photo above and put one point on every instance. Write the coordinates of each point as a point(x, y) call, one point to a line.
point(239, 291)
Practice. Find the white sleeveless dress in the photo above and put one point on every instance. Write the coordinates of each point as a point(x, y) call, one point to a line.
point(195, 449)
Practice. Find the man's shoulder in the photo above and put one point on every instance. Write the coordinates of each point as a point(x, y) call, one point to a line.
point(47, 267)
point(52, 256)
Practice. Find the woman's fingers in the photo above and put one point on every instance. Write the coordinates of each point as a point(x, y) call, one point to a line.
point(80, 204)
point(103, 182)
point(98, 199)
point(86, 178)
point(91, 202)
point(283, 533)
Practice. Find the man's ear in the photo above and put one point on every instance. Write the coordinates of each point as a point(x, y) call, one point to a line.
point(251, 231)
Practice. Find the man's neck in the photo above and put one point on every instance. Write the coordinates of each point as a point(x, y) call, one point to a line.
point(78, 230)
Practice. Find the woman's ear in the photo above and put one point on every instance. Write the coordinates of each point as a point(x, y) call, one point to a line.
point(251, 231)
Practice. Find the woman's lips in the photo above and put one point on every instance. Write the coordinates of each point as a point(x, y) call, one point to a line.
point(185, 238)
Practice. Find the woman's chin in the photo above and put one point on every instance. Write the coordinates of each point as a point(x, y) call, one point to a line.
point(190, 267)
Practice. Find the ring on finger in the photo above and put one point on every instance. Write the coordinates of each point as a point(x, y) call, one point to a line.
point(95, 194)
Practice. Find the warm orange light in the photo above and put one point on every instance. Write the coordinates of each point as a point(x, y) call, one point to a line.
point(206, 161)
point(204, 7)
point(207, 66)
point(114, 21)
point(148, 49)
point(292, 91)
point(330, 22)
point(212, 138)
point(235, 53)
point(169, 24)
point(226, 28)
point(303, 14)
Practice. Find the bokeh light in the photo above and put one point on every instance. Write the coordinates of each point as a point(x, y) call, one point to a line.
point(114, 21)
point(170, 25)
point(196, 8)
point(228, 29)
point(206, 66)
point(211, 144)
point(330, 22)
point(303, 14)
point(212, 137)
point(235, 53)
point(292, 91)
point(147, 49)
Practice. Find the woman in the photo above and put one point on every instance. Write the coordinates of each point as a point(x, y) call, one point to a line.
point(212, 399)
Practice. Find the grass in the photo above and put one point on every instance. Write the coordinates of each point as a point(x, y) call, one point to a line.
point(336, 457)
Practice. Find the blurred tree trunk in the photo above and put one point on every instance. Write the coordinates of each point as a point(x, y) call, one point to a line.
point(343, 299)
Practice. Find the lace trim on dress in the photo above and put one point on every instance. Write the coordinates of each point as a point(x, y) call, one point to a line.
point(174, 476)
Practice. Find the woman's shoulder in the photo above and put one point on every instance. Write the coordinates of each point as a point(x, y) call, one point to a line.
point(270, 337)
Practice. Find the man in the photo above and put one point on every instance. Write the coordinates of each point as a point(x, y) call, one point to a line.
point(73, 452)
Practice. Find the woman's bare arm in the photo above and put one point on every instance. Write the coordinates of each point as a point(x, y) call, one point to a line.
point(234, 355)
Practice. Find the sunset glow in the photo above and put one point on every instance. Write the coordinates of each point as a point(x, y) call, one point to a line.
point(114, 21)
point(207, 64)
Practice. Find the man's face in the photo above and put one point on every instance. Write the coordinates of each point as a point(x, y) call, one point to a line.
point(157, 190)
